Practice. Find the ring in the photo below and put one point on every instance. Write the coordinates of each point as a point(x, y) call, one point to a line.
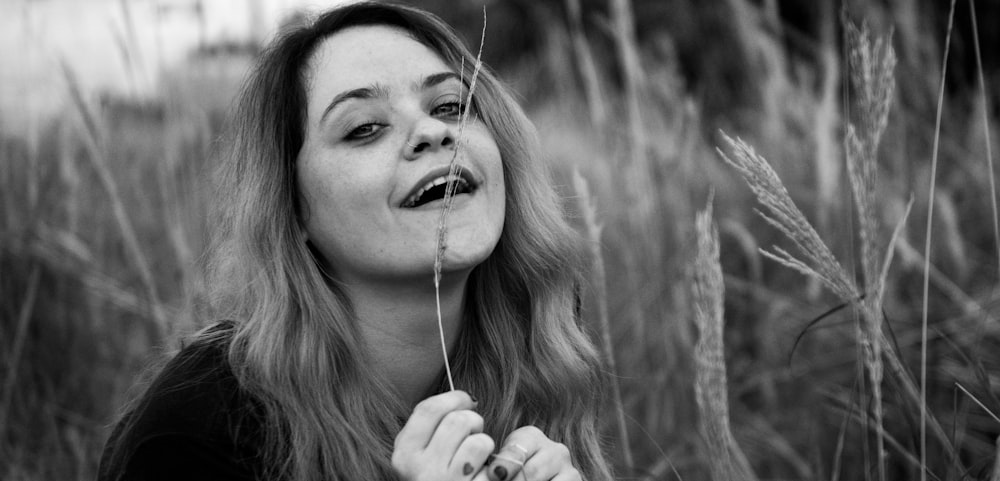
point(518, 446)
point(411, 145)
point(505, 458)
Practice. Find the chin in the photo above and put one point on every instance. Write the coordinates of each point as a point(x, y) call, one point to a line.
point(466, 256)
point(456, 262)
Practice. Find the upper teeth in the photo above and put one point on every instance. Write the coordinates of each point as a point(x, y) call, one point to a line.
point(459, 182)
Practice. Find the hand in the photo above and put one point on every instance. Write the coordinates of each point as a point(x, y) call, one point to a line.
point(442, 440)
point(528, 455)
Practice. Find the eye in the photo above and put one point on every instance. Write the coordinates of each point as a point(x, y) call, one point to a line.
point(449, 110)
point(364, 131)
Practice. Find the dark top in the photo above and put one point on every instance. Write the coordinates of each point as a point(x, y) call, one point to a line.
point(193, 423)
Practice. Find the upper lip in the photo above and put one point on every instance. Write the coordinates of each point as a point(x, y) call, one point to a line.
point(436, 173)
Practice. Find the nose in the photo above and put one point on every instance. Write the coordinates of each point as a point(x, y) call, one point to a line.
point(429, 134)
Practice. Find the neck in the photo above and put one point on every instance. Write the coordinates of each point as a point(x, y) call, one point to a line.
point(400, 325)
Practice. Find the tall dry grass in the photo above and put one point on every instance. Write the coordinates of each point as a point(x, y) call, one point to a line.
point(101, 233)
point(863, 410)
point(927, 246)
point(592, 231)
point(711, 390)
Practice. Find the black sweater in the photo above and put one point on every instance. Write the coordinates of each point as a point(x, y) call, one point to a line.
point(193, 423)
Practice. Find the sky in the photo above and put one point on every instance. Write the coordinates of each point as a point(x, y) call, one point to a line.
point(114, 45)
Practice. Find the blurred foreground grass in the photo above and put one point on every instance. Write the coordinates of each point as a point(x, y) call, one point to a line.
point(103, 223)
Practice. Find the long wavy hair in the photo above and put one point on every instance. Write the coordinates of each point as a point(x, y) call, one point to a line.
point(296, 345)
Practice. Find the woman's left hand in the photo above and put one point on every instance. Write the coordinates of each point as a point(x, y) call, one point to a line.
point(528, 455)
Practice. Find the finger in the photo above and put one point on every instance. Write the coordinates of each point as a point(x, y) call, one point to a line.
point(518, 448)
point(426, 416)
point(470, 457)
point(500, 468)
point(548, 462)
point(543, 458)
point(453, 429)
point(524, 442)
point(481, 475)
point(506, 464)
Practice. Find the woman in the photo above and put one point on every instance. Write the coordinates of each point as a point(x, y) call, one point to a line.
point(331, 365)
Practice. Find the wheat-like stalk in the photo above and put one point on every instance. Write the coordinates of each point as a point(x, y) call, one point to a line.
point(711, 393)
point(586, 64)
point(449, 196)
point(588, 211)
point(826, 120)
point(623, 32)
point(870, 63)
point(783, 214)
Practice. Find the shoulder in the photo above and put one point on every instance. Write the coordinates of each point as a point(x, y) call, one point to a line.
point(194, 421)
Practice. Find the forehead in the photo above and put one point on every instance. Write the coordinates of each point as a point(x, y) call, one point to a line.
point(360, 56)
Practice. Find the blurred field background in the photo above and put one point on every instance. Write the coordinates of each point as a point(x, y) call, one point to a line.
point(106, 145)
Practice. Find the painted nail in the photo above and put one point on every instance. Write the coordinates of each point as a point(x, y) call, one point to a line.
point(501, 472)
point(466, 469)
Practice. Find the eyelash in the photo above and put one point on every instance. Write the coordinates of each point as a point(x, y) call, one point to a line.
point(355, 133)
point(456, 105)
point(358, 133)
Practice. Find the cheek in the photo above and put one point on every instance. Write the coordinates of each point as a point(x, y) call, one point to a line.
point(487, 150)
point(498, 174)
point(336, 182)
point(314, 188)
point(324, 198)
point(345, 200)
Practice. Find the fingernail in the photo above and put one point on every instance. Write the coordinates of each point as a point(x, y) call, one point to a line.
point(466, 469)
point(500, 472)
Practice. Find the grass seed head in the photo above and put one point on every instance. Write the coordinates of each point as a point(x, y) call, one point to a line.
point(781, 212)
point(711, 393)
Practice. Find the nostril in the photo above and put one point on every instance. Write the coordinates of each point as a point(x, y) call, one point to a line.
point(446, 142)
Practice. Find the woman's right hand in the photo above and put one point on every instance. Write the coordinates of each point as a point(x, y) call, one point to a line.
point(442, 440)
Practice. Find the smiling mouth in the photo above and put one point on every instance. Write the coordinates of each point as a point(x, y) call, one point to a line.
point(435, 189)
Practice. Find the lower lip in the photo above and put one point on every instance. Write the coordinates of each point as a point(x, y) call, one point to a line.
point(438, 204)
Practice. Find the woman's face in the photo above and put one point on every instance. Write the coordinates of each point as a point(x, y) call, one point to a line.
point(382, 128)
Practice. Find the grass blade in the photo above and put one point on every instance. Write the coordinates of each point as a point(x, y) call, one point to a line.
point(97, 154)
point(995, 476)
point(891, 249)
point(986, 130)
point(978, 402)
point(14, 358)
point(927, 251)
point(587, 65)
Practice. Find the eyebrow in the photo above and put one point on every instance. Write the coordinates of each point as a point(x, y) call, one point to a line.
point(377, 90)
